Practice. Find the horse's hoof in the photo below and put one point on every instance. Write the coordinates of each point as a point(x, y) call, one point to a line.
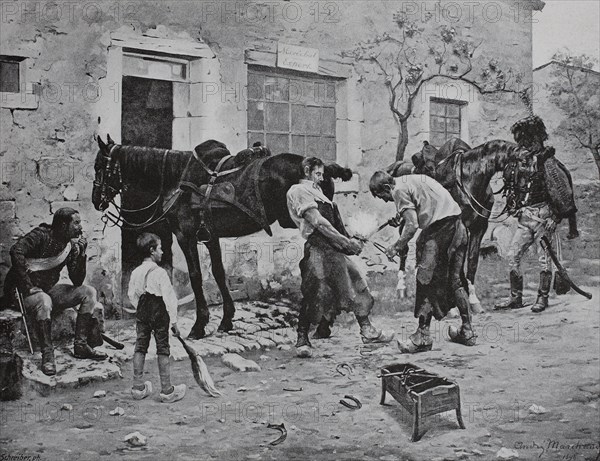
point(225, 325)
point(196, 334)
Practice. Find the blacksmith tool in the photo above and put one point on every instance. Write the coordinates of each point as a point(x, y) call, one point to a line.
point(20, 302)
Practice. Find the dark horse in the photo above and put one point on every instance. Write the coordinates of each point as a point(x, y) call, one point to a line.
point(467, 174)
point(144, 168)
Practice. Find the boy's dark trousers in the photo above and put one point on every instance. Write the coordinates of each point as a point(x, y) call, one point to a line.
point(152, 317)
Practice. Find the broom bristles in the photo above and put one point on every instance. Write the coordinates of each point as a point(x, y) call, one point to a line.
point(200, 370)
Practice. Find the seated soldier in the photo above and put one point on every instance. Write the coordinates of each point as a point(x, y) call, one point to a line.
point(37, 260)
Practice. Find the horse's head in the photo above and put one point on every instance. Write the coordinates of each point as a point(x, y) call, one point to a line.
point(107, 181)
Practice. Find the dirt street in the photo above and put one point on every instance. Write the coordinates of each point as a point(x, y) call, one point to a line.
point(548, 360)
point(530, 389)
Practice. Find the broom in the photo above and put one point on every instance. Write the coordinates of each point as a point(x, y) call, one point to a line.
point(199, 369)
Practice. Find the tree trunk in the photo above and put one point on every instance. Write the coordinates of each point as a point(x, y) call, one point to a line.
point(402, 139)
point(596, 158)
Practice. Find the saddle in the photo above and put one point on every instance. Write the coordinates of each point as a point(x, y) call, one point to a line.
point(218, 179)
point(429, 159)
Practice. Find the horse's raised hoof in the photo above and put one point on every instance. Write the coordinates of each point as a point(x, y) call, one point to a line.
point(225, 325)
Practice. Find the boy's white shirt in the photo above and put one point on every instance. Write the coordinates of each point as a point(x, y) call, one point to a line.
point(158, 284)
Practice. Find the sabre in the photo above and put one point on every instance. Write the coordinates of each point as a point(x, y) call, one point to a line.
point(561, 270)
point(20, 301)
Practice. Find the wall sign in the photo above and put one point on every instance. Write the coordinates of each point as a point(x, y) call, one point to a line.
point(297, 58)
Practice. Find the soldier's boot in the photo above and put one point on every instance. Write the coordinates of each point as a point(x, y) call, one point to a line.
point(44, 335)
point(516, 293)
point(81, 349)
point(543, 291)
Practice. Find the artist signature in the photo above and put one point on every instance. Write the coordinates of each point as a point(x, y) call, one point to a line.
point(552, 445)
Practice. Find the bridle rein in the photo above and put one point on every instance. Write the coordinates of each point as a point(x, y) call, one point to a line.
point(109, 190)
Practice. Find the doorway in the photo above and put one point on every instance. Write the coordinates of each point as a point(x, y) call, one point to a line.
point(146, 120)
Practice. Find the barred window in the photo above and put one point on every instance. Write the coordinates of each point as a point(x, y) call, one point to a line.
point(444, 120)
point(289, 112)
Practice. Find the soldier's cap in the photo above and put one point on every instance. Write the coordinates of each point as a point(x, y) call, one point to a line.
point(529, 126)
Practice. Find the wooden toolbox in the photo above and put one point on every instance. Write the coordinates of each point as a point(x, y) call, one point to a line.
point(420, 392)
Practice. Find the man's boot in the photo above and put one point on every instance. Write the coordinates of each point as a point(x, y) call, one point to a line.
point(543, 291)
point(573, 232)
point(465, 334)
point(516, 293)
point(81, 349)
point(303, 345)
point(44, 335)
point(419, 341)
point(370, 335)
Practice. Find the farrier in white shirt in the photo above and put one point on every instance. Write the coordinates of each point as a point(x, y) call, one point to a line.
point(158, 284)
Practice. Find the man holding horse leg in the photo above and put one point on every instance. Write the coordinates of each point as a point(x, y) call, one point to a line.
point(422, 203)
point(538, 205)
point(331, 282)
point(37, 260)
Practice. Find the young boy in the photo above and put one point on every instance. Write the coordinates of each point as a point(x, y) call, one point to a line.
point(151, 293)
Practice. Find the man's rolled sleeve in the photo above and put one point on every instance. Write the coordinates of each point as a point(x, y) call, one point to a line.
point(301, 200)
point(403, 201)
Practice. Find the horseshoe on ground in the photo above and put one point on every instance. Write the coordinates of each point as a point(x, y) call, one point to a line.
point(349, 405)
point(280, 428)
point(345, 366)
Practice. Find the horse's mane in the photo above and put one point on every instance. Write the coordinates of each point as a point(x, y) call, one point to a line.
point(488, 158)
point(147, 162)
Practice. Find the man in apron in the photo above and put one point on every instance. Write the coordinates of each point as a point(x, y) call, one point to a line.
point(331, 281)
point(37, 260)
point(422, 203)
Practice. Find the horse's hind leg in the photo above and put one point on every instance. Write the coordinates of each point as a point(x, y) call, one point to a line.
point(216, 259)
point(189, 246)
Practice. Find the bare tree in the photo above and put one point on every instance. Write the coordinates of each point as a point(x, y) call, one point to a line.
point(417, 53)
point(574, 88)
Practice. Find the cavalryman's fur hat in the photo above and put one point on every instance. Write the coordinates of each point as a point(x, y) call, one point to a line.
point(528, 128)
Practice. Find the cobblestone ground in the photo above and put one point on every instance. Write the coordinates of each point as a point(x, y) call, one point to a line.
point(257, 325)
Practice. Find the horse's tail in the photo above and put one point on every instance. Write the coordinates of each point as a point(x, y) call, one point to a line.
point(333, 171)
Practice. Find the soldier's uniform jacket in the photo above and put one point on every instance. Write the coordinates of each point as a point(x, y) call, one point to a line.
point(39, 243)
point(538, 177)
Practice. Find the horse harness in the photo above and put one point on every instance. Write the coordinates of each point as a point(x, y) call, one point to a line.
point(113, 168)
point(224, 192)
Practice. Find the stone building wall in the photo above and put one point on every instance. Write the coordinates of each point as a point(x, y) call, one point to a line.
point(71, 93)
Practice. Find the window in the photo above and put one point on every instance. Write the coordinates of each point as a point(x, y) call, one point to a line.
point(292, 113)
point(444, 120)
point(10, 74)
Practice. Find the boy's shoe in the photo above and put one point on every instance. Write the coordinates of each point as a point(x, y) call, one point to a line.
point(138, 394)
point(177, 394)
